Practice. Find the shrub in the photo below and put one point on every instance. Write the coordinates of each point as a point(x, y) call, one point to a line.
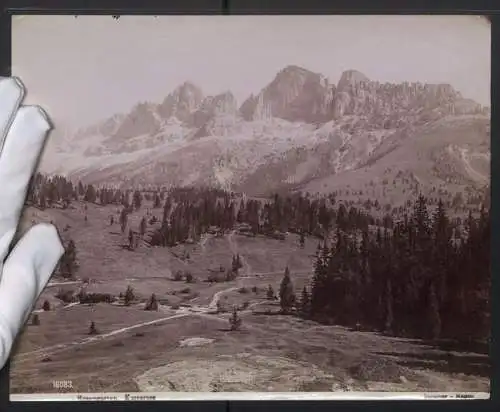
point(235, 320)
point(129, 295)
point(189, 277)
point(152, 303)
point(46, 306)
point(178, 276)
point(93, 329)
point(214, 277)
point(67, 296)
point(220, 307)
point(231, 275)
point(270, 292)
point(85, 297)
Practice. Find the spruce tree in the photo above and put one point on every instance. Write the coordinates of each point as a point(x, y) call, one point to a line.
point(67, 263)
point(157, 201)
point(142, 226)
point(270, 292)
point(90, 194)
point(152, 303)
point(92, 329)
point(235, 321)
point(123, 219)
point(42, 202)
point(305, 302)
point(129, 296)
point(286, 294)
point(389, 313)
point(434, 317)
point(137, 200)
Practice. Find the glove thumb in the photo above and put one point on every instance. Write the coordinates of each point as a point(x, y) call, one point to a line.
point(25, 274)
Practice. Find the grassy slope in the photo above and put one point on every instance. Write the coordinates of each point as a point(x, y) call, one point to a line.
point(423, 154)
point(289, 353)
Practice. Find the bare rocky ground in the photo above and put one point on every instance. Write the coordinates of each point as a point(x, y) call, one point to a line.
point(187, 346)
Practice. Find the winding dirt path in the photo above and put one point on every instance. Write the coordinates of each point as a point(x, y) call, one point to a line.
point(183, 312)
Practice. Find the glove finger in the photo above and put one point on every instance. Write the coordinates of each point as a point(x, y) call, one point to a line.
point(11, 96)
point(18, 160)
point(25, 274)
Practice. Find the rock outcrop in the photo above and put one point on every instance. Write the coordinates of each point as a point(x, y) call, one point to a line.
point(182, 102)
point(295, 94)
point(141, 120)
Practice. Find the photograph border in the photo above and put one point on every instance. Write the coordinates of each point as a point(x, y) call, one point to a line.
point(262, 7)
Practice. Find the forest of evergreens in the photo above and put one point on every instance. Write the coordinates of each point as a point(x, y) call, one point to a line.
point(414, 273)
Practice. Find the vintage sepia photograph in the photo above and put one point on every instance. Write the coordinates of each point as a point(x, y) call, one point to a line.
point(288, 205)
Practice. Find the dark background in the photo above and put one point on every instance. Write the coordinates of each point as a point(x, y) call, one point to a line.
point(490, 8)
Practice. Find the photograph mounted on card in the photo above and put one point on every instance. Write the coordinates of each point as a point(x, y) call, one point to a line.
point(260, 207)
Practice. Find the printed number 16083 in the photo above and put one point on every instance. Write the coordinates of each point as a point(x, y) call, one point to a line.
point(62, 384)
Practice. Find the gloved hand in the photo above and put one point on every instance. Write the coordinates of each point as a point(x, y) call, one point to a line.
point(28, 267)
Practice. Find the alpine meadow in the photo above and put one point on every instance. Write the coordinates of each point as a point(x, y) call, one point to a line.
point(328, 231)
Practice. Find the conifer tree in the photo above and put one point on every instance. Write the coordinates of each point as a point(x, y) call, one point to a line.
point(434, 316)
point(68, 263)
point(123, 219)
point(152, 303)
point(157, 201)
point(131, 239)
point(270, 292)
point(235, 320)
point(137, 200)
point(287, 296)
point(90, 194)
point(92, 329)
point(305, 302)
point(129, 296)
point(142, 226)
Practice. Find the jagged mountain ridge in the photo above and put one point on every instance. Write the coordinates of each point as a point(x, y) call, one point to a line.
point(300, 126)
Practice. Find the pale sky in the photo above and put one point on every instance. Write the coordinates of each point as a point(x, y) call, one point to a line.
point(82, 70)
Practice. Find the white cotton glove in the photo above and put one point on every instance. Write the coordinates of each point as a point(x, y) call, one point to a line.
point(28, 267)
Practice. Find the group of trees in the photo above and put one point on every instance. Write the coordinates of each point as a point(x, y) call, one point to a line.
point(190, 212)
point(46, 191)
point(422, 275)
point(414, 280)
point(187, 217)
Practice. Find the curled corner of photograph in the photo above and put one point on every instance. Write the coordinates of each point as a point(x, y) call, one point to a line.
point(252, 211)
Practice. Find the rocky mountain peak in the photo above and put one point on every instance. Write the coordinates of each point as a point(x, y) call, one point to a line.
point(295, 94)
point(212, 107)
point(224, 103)
point(185, 99)
point(351, 78)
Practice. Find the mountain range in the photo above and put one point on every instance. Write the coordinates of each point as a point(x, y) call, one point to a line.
point(300, 132)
